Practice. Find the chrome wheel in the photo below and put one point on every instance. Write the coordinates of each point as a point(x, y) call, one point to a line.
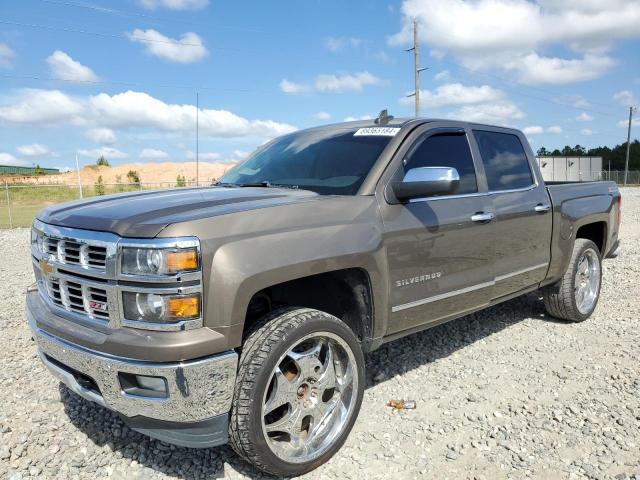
point(587, 281)
point(310, 397)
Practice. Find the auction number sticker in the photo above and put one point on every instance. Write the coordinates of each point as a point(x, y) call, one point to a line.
point(377, 131)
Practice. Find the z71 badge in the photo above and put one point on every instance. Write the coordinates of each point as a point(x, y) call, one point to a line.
point(419, 279)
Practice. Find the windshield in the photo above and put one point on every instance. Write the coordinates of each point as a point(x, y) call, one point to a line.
point(326, 161)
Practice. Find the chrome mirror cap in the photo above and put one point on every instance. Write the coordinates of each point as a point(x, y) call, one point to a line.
point(432, 174)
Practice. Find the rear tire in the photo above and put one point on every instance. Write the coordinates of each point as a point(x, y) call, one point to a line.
point(575, 296)
point(298, 391)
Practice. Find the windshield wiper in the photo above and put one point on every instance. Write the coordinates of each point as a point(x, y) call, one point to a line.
point(263, 184)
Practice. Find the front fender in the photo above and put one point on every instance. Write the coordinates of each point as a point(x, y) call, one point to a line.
point(244, 267)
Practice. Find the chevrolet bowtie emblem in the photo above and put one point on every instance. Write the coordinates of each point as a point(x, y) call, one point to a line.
point(45, 266)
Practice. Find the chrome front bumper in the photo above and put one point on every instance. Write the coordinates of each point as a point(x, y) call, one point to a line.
point(196, 390)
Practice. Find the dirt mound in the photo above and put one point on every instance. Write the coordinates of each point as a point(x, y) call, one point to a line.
point(165, 172)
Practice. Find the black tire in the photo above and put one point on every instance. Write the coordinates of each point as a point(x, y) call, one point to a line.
point(559, 298)
point(271, 338)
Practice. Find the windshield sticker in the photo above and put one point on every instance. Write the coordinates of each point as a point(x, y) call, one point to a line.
point(377, 131)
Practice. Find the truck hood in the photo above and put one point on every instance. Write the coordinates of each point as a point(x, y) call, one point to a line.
point(145, 214)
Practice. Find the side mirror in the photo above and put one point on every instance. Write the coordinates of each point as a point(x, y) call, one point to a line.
point(425, 182)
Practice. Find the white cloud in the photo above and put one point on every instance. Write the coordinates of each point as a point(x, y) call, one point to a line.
point(292, 88)
point(533, 69)
point(63, 66)
point(537, 129)
point(202, 156)
point(240, 154)
point(6, 56)
point(105, 136)
point(456, 94)
point(188, 49)
point(584, 117)
point(322, 115)
point(174, 4)
point(332, 83)
point(209, 156)
point(336, 44)
point(153, 154)
point(33, 150)
point(576, 101)
point(509, 34)
point(345, 83)
point(137, 109)
point(8, 159)
point(106, 152)
point(131, 110)
point(496, 113)
point(533, 130)
point(41, 107)
point(626, 98)
point(587, 132)
point(443, 76)
point(361, 117)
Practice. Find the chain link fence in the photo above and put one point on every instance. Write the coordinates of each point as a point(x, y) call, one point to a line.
point(19, 204)
point(633, 176)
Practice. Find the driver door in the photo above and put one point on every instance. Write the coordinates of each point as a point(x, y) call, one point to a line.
point(439, 251)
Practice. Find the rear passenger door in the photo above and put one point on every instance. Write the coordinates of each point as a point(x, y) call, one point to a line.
point(522, 224)
point(439, 252)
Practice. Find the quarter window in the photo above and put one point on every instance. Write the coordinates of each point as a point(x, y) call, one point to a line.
point(505, 162)
point(446, 150)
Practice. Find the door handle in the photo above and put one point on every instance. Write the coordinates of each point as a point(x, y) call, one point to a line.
point(542, 208)
point(482, 217)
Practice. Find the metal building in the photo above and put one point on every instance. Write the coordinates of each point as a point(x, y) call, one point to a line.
point(570, 169)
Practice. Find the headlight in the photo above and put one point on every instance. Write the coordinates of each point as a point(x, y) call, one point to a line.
point(160, 308)
point(158, 261)
point(37, 239)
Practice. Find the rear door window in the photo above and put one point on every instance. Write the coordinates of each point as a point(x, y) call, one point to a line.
point(445, 150)
point(505, 162)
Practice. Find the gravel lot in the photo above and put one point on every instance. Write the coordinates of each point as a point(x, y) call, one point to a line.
point(505, 393)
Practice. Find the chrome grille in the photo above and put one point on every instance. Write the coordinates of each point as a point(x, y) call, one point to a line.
point(74, 296)
point(73, 252)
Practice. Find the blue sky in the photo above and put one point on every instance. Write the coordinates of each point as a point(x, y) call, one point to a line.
point(120, 78)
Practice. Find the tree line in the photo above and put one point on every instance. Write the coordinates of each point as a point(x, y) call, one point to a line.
point(615, 155)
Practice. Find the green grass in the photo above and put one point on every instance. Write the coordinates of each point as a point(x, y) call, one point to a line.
point(27, 201)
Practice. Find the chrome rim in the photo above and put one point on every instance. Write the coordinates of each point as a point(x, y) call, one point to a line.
point(310, 397)
point(587, 281)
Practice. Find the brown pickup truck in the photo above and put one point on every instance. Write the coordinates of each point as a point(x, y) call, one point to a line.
point(241, 312)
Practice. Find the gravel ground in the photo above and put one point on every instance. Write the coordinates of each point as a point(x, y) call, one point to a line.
point(504, 393)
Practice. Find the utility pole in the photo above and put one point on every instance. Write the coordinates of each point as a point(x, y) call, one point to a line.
point(626, 162)
point(416, 67)
point(79, 181)
point(197, 139)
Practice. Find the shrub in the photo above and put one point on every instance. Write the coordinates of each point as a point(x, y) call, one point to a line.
point(102, 162)
point(133, 177)
point(98, 186)
point(181, 181)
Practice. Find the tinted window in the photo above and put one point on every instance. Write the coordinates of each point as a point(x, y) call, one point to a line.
point(327, 161)
point(446, 150)
point(504, 160)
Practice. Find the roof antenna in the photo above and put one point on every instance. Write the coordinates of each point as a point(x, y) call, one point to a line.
point(383, 118)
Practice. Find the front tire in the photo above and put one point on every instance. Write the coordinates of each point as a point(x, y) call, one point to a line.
point(575, 296)
point(298, 391)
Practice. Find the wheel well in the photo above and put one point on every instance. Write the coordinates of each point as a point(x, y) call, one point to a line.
point(345, 294)
point(596, 232)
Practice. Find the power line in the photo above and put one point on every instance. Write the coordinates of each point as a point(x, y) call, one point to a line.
point(131, 84)
point(113, 11)
point(515, 90)
point(100, 34)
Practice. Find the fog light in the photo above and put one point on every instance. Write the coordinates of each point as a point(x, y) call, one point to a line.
point(143, 385)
